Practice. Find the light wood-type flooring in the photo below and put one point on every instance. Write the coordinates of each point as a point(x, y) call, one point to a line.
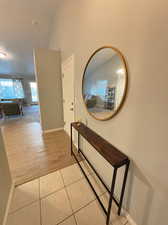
point(32, 154)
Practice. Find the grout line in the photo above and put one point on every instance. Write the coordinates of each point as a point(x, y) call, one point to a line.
point(20, 184)
point(51, 193)
point(62, 187)
point(42, 175)
point(65, 187)
point(74, 211)
point(67, 193)
point(64, 219)
point(25, 206)
point(95, 199)
point(68, 198)
point(41, 198)
point(75, 219)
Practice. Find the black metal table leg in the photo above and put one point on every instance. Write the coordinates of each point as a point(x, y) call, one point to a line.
point(78, 142)
point(123, 188)
point(92, 139)
point(111, 195)
point(71, 141)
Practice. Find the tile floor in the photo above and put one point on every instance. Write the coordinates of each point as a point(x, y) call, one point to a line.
point(63, 197)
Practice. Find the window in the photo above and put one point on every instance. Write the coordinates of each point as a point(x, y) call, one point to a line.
point(99, 88)
point(33, 87)
point(11, 89)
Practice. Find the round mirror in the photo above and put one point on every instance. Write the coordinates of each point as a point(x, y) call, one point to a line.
point(104, 83)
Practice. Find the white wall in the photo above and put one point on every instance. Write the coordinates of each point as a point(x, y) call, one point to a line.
point(48, 76)
point(5, 182)
point(140, 30)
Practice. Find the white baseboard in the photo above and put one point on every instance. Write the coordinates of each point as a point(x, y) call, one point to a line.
point(8, 204)
point(52, 130)
point(129, 218)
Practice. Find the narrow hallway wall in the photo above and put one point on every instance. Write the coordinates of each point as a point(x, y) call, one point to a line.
point(139, 29)
point(49, 82)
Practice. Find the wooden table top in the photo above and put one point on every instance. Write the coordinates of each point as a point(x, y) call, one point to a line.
point(115, 157)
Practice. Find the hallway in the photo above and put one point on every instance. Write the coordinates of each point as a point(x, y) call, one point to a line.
point(63, 197)
point(32, 154)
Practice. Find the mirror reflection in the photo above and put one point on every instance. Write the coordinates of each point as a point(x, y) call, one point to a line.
point(104, 83)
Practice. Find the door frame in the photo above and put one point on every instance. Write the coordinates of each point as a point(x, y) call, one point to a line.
point(63, 65)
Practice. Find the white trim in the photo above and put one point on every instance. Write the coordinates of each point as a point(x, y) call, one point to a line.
point(128, 216)
point(52, 130)
point(8, 203)
point(130, 220)
point(64, 64)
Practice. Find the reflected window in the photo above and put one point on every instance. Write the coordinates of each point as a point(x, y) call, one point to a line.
point(101, 88)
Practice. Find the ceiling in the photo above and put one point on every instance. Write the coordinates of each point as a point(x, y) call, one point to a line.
point(24, 25)
point(100, 58)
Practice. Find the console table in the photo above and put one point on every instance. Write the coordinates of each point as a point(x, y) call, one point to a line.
point(111, 154)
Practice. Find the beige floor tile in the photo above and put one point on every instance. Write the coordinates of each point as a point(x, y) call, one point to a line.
point(71, 174)
point(98, 186)
point(26, 216)
point(25, 194)
point(80, 194)
point(114, 215)
point(93, 214)
point(55, 208)
point(86, 167)
point(50, 183)
point(69, 221)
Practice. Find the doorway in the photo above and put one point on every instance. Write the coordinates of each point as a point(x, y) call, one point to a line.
point(34, 95)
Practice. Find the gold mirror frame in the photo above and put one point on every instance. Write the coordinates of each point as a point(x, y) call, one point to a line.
point(126, 82)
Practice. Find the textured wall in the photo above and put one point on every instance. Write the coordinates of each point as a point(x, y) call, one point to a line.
point(140, 30)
